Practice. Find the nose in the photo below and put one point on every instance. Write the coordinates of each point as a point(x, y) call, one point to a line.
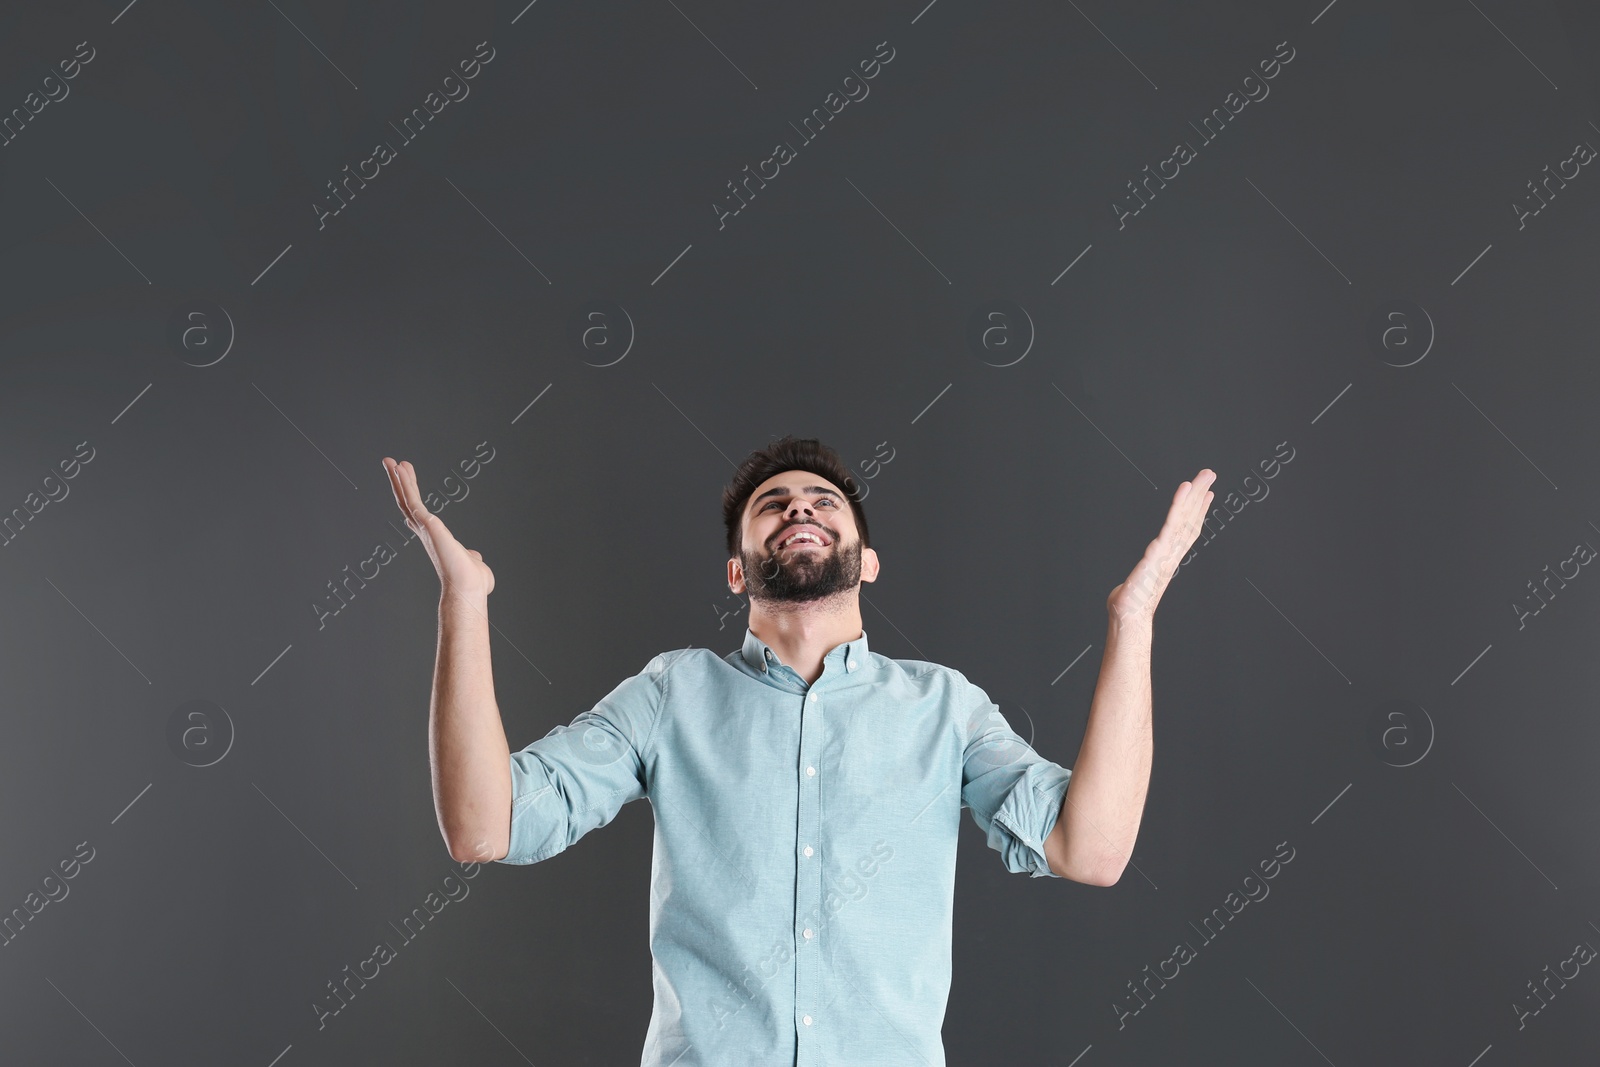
point(800, 512)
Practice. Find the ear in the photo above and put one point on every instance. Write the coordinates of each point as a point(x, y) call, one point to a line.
point(735, 576)
point(869, 564)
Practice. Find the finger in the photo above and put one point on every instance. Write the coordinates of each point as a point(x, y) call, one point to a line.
point(397, 482)
point(1187, 503)
point(404, 497)
point(1196, 499)
point(1189, 490)
point(1183, 520)
point(414, 508)
point(1194, 520)
point(1194, 513)
point(1182, 523)
point(423, 519)
point(392, 470)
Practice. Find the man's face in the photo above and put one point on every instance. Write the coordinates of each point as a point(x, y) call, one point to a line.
point(776, 565)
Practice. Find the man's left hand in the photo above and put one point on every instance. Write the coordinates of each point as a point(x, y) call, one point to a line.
point(1136, 599)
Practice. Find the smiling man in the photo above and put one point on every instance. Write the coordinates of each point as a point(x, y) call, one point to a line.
point(807, 791)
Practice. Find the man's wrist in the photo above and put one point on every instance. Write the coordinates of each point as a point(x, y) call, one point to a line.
point(454, 600)
point(1132, 623)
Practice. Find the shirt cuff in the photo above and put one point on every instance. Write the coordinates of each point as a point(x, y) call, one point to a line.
point(1026, 818)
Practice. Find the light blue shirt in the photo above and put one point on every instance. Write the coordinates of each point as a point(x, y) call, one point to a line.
point(803, 879)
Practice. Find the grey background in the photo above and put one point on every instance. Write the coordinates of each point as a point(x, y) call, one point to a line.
point(1233, 313)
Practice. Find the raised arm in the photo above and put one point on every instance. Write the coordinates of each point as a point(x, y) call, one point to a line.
point(467, 747)
point(1093, 837)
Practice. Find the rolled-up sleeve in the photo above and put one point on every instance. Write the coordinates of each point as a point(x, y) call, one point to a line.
point(1014, 794)
point(578, 776)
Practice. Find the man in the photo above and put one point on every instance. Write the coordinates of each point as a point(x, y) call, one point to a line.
point(807, 791)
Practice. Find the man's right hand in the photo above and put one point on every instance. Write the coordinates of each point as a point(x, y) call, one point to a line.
point(461, 569)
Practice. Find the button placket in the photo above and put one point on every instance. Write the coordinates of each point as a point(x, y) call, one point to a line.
point(808, 901)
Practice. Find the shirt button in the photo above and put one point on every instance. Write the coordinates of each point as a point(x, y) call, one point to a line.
point(806, 1020)
point(811, 772)
point(852, 666)
point(808, 850)
point(813, 698)
point(806, 933)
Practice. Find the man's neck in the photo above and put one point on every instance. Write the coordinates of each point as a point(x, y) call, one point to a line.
point(801, 635)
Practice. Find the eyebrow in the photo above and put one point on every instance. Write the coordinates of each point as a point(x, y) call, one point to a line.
point(783, 490)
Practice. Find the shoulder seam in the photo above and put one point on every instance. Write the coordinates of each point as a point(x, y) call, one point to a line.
point(966, 732)
point(663, 680)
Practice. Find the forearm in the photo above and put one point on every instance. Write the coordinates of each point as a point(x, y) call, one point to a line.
point(467, 746)
point(1100, 814)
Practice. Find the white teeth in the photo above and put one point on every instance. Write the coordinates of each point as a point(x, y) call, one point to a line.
point(813, 538)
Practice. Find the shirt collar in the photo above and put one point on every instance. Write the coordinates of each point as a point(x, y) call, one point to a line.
point(851, 655)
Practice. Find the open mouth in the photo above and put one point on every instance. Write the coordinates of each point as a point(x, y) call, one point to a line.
point(802, 536)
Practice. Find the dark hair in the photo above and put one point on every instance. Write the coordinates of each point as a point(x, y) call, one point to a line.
point(788, 453)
